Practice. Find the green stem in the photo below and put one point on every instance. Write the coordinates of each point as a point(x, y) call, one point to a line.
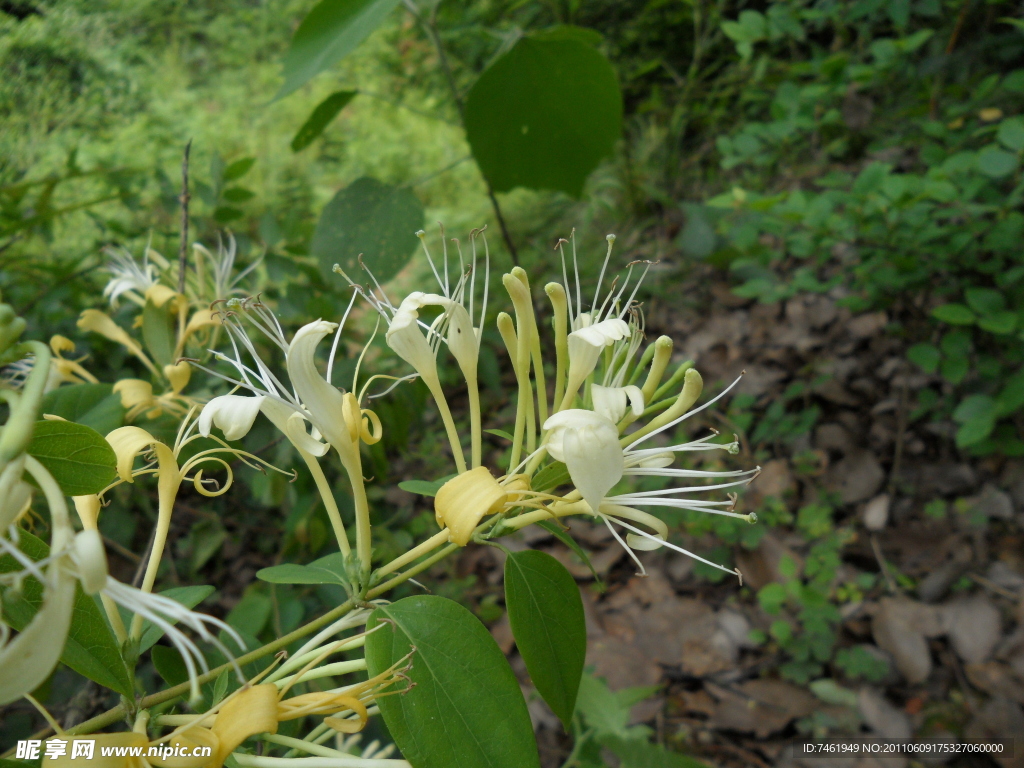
point(17, 432)
point(111, 716)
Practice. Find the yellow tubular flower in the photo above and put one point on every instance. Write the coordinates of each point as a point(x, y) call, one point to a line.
point(62, 369)
point(129, 442)
point(465, 500)
point(100, 322)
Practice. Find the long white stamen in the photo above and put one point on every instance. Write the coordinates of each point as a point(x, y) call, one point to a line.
point(664, 543)
point(604, 266)
point(625, 546)
point(337, 336)
point(686, 415)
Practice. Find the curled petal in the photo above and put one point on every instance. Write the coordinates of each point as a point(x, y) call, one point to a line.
point(574, 418)
point(160, 294)
point(370, 429)
point(129, 442)
point(611, 402)
point(100, 322)
point(325, 402)
point(232, 414)
point(295, 430)
point(643, 543)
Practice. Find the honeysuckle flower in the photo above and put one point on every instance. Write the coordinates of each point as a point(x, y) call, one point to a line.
point(333, 414)
point(100, 322)
point(64, 370)
point(29, 658)
point(130, 278)
point(417, 343)
point(611, 402)
point(588, 443)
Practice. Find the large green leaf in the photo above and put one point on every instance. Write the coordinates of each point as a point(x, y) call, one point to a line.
point(332, 30)
point(543, 115)
point(370, 218)
point(324, 112)
point(464, 708)
point(546, 614)
point(90, 648)
point(77, 456)
point(94, 405)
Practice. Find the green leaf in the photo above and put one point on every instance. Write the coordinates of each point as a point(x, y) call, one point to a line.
point(954, 370)
point(999, 322)
point(189, 597)
point(321, 117)
point(77, 456)
point(169, 665)
point(551, 476)
point(829, 691)
point(326, 570)
point(329, 32)
point(639, 752)
point(698, 237)
point(252, 613)
point(464, 708)
point(1011, 134)
point(226, 213)
point(238, 168)
point(90, 648)
point(606, 711)
point(523, 115)
point(977, 415)
point(500, 433)
point(974, 431)
point(371, 219)
point(954, 314)
point(158, 332)
point(584, 35)
point(94, 405)
point(924, 356)
point(974, 407)
point(555, 530)
point(422, 487)
point(238, 194)
point(985, 301)
point(546, 615)
point(1011, 398)
point(996, 162)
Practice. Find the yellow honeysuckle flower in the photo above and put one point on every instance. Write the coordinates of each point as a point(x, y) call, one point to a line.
point(100, 322)
point(64, 370)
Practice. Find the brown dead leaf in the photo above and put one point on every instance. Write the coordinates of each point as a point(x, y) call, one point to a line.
point(761, 707)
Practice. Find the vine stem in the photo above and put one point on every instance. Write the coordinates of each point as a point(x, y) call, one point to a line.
point(430, 27)
point(185, 197)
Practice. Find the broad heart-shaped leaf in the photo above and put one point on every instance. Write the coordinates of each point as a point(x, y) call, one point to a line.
point(77, 456)
point(90, 648)
point(94, 405)
point(543, 115)
point(546, 614)
point(326, 570)
point(321, 117)
point(370, 218)
point(332, 30)
point(464, 708)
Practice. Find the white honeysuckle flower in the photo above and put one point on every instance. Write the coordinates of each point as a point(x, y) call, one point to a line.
point(588, 443)
point(611, 402)
point(232, 414)
point(221, 284)
point(130, 279)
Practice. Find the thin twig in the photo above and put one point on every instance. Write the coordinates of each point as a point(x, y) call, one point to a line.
point(183, 246)
point(430, 26)
point(877, 549)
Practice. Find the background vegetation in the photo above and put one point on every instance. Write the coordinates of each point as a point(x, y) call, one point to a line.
point(866, 153)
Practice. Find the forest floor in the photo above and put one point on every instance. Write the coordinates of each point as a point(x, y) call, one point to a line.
point(940, 629)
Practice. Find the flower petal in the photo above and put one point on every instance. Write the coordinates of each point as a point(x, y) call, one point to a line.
point(232, 414)
point(594, 459)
